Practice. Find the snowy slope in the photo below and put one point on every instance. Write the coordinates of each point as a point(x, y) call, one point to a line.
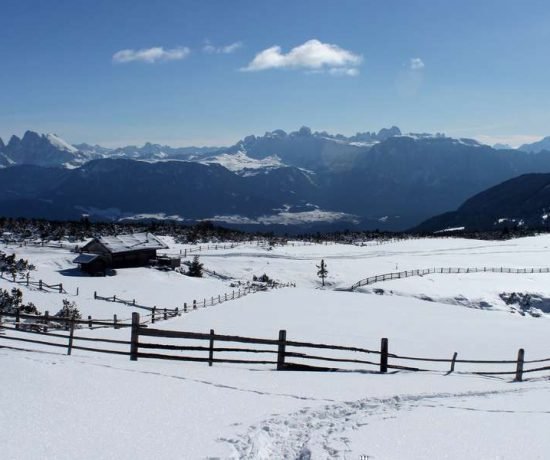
point(165, 410)
point(240, 161)
point(60, 144)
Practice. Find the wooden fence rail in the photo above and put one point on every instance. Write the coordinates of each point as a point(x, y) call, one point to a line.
point(158, 313)
point(70, 338)
point(45, 322)
point(287, 354)
point(443, 270)
point(27, 281)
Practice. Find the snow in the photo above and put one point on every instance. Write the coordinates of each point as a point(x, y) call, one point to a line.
point(105, 406)
point(364, 144)
point(289, 218)
point(450, 229)
point(130, 242)
point(59, 143)
point(153, 216)
point(241, 161)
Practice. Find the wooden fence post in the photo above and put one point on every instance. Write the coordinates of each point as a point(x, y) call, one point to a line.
point(71, 336)
point(60, 288)
point(453, 362)
point(185, 307)
point(281, 350)
point(89, 322)
point(17, 318)
point(40, 284)
point(211, 349)
point(519, 366)
point(134, 339)
point(46, 320)
point(115, 321)
point(384, 355)
point(153, 312)
point(95, 295)
point(165, 316)
point(194, 304)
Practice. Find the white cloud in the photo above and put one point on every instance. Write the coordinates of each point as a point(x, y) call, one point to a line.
point(227, 49)
point(312, 55)
point(416, 64)
point(151, 55)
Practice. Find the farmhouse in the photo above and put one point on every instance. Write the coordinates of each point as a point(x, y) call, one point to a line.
point(121, 251)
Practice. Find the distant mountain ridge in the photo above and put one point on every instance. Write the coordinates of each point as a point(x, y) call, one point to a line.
point(386, 180)
point(40, 150)
point(536, 147)
point(314, 148)
point(52, 151)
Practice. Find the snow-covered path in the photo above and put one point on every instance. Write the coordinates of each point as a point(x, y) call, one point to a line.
point(343, 430)
point(88, 407)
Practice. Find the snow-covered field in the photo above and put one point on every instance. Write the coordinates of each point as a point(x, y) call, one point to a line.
point(105, 406)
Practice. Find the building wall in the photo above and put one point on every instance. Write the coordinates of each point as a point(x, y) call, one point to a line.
point(95, 267)
point(133, 258)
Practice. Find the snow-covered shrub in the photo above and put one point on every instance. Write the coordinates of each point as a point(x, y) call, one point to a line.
point(12, 301)
point(69, 310)
point(262, 279)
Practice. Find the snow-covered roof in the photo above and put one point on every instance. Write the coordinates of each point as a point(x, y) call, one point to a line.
point(85, 258)
point(131, 242)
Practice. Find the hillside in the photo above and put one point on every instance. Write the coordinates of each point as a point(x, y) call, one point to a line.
point(160, 408)
point(522, 201)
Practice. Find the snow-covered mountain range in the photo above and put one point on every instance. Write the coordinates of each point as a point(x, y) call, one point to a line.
point(302, 148)
point(386, 180)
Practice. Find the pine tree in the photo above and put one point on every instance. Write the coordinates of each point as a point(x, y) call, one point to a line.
point(195, 268)
point(69, 311)
point(322, 272)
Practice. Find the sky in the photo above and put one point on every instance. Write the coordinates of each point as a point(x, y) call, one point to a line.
point(207, 72)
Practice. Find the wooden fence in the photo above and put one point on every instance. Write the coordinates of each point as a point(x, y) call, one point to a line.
point(447, 270)
point(280, 352)
point(46, 322)
point(296, 355)
point(166, 313)
point(27, 281)
point(68, 342)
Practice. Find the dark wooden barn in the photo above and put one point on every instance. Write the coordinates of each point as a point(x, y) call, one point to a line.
point(122, 251)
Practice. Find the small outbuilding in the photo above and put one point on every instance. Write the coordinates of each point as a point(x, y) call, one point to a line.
point(121, 251)
point(92, 264)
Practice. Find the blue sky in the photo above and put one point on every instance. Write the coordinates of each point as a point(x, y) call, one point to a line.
point(210, 72)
